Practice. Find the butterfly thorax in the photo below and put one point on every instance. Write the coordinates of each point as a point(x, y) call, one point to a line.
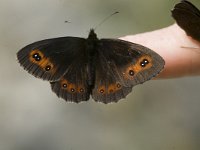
point(91, 42)
point(92, 35)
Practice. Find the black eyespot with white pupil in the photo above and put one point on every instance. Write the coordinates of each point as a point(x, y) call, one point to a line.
point(144, 62)
point(118, 85)
point(81, 90)
point(72, 90)
point(64, 85)
point(36, 56)
point(101, 91)
point(48, 67)
point(131, 72)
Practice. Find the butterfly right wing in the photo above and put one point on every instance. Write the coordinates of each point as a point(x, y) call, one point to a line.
point(187, 17)
point(108, 87)
point(120, 65)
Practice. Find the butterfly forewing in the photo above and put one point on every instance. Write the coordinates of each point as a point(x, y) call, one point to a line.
point(49, 59)
point(187, 17)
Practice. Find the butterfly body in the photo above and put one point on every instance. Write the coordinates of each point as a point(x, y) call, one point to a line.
point(106, 69)
point(91, 45)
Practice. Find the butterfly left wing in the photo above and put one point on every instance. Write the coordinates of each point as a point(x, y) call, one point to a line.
point(187, 17)
point(49, 59)
point(73, 86)
point(120, 65)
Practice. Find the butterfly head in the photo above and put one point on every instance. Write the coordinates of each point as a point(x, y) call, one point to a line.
point(92, 34)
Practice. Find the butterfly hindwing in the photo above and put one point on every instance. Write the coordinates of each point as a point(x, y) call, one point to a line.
point(122, 65)
point(107, 87)
point(73, 85)
point(187, 17)
point(49, 59)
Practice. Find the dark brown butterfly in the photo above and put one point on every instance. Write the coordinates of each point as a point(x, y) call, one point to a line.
point(76, 67)
point(187, 17)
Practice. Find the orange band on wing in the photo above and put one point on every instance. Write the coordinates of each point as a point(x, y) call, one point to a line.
point(37, 57)
point(72, 88)
point(143, 63)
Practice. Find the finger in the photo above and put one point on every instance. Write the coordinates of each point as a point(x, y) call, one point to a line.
point(175, 47)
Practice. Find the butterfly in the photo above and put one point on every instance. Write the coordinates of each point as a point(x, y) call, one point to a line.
point(187, 17)
point(76, 68)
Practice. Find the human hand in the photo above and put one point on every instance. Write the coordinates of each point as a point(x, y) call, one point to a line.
point(180, 52)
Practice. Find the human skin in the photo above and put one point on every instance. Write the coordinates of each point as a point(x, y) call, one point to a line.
point(180, 52)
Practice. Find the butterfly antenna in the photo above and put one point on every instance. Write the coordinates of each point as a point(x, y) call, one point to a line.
point(105, 19)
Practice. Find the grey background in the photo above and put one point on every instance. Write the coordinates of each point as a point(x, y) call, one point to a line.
point(162, 114)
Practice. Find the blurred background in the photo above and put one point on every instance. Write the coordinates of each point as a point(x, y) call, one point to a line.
point(158, 115)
